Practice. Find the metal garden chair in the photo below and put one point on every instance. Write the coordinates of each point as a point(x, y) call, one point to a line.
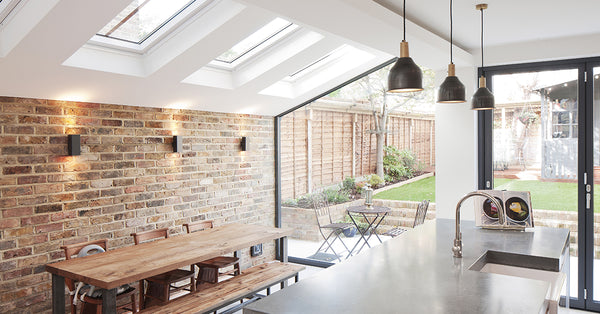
point(419, 219)
point(329, 230)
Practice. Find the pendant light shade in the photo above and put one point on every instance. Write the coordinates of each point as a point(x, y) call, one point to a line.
point(483, 99)
point(405, 76)
point(452, 89)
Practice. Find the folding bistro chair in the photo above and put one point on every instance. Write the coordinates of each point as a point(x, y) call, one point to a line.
point(419, 219)
point(327, 228)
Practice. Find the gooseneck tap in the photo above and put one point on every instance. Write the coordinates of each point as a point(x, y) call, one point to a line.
point(457, 248)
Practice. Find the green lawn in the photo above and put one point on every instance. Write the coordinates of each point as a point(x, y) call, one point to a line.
point(423, 189)
point(544, 195)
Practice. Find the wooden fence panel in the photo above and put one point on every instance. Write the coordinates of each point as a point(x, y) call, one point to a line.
point(329, 157)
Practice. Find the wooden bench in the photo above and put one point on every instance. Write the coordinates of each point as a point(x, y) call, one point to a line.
point(247, 284)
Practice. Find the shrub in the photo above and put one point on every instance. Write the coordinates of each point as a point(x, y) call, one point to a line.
point(349, 185)
point(336, 196)
point(398, 164)
point(375, 180)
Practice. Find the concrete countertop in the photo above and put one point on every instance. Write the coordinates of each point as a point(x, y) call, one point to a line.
point(416, 273)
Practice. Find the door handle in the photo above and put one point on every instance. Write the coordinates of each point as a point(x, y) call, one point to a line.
point(588, 199)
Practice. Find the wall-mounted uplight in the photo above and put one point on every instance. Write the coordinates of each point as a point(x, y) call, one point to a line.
point(74, 144)
point(245, 144)
point(177, 144)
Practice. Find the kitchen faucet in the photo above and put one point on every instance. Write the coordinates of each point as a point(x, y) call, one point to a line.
point(457, 248)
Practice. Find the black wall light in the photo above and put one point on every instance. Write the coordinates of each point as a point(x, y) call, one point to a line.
point(177, 144)
point(245, 144)
point(74, 144)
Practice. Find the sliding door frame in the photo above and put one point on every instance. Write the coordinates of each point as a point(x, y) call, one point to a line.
point(585, 242)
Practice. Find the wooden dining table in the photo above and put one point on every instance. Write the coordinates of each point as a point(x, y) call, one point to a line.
point(125, 265)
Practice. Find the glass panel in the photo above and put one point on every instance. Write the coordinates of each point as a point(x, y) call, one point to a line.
point(596, 157)
point(330, 145)
point(534, 149)
point(142, 18)
point(255, 40)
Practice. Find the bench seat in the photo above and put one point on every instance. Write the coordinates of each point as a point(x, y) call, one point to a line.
point(247, 284)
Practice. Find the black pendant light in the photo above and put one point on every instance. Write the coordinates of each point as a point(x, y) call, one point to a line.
point(483, 99)
point(451, 90)
point(405, 76)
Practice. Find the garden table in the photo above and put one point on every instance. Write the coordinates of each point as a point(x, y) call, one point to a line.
point(373, 215)
point(125, 265)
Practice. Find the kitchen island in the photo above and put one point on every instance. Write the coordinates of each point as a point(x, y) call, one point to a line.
point(417, 273)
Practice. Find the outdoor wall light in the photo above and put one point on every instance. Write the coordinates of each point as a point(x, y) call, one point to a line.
point(177, 144)
point(74, 144)
point(405, 76)
point(244, 144)
point(483, 99)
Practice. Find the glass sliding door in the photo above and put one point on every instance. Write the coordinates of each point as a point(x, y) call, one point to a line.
point(592, 186)
point(535, 147)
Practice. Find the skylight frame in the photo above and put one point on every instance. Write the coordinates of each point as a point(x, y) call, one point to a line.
point(6, 8)
point(336, 54)
point(256, 49)
point(183, 16)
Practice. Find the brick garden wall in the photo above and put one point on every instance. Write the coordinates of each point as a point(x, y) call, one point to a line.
point(126, 179)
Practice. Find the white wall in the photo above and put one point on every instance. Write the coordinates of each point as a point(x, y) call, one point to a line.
point(456, 149)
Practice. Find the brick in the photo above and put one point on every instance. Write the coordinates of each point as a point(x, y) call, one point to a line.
point(9, 223)
point(31, 159)
point(6, 266)
point(19, 129)
point(49, 227)
point(63, 197)
point(33, 119)
point(24, 140)
point(17, 253)
point(112, 122)
point(32, 179)
point(76, 186)
point(153, 124)
point(35, 220)
point(17, 212)
point(7, 202)
point(48, 208)
point(48, 188)
point(49, 110)
point(37, 200)
point(16, 170)
point(76, 205)
point(17, 150)
point(46, 168)
point(63, 215)
point(87, 195)
point(49, 130)
point(63, 234)
point(5, 245)
point(31, 240)
point(8, 140)
point(88, 176)
point(17, 191)
point(133, 124)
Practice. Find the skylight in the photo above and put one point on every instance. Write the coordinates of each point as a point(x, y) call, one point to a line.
point(6, 7)
point(340, 52)
point(142, 18)
point(258, 41)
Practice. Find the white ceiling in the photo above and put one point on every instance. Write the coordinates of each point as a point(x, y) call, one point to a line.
point(44, 49)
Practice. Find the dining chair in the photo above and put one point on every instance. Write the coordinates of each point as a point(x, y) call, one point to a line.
point(160, 287)
point(209, 270)
point(420, 216)
point(326, 224)
point(93, 303)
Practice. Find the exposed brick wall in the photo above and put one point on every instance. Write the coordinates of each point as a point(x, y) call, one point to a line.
point(126, 179)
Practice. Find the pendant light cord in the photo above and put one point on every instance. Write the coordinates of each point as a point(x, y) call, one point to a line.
point(481, 38)
point(404, 20)
point(451, 32)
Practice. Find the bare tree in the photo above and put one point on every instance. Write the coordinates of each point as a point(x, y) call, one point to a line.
point(373, 90)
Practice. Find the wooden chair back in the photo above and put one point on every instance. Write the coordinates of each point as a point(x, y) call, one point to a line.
point(198, 226)
point(421, 213)
point(321, 207)
point(74, 249)
point(145, 236)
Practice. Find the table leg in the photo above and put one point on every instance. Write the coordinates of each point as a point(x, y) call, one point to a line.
point(377, 226)
point(362, 236)
point(284, 249)
point(58, 294)
point(109, 301)
point(369, 228)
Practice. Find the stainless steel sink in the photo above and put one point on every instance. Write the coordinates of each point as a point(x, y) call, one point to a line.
point(524, 266)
